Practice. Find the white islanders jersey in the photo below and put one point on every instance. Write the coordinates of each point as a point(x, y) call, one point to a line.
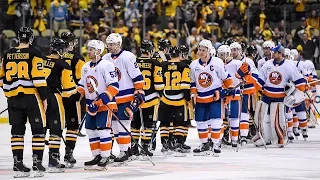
point(261, 62)
point(129, 75)
point(232, 67)
point(273, 78)
point(105, 79)
point(249, 88)
point(205, 80)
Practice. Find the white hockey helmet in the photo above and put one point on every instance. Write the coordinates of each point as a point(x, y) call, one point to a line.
point(114, 38)
point(268, 44)
point(287, 52)
point(224, 49)
point(213, 51)
point(294, 52)
point(235, 45)
point(206, 43)
point(97, 45)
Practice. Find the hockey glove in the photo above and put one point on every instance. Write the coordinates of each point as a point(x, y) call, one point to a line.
point(244, 70)
point(131, 109)
point(105, 98)
point(92, 109)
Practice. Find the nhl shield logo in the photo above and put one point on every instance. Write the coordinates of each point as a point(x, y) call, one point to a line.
point(205, 79)
point(275, 77)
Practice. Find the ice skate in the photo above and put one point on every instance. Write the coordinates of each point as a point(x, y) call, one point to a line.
point(134, 152)
point(296, 132)
point(69, 159)
point(102, 164)
point(122, 159)
point(186, 148)
point(145, 152)
point(203, 150)
point(91, 165)
point(243, 141)
point(54, 163)
point(234, 145)
point(20, 170)
point(216, 150)
point(37, 169)
point(304, 134)
point(179, 151)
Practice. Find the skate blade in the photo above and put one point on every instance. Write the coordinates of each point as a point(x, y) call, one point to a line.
point(312, 126)
point(179, 154)
point(186, 151)
point(119, 164)
point(55, 170)
point(69, 165)
point(280, 145)
point(133, 158)
point(216, 154)
point(19, 174)
point(37, 174)
point(144, 158)
point(235, 149)
point(102, 168)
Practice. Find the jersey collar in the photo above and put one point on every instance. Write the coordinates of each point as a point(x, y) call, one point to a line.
point(279, 64)
point(95, 64)
point(114, 56)
point(201, 63)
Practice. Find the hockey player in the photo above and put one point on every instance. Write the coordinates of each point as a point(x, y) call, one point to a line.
point(270, 115)
point(147, 115)
point(184, 56)
point(207, 75)
point(233, 102)
point(248, 91)
point(23, 82)
point(252, 53)
point(130, 94)
point(60, 85)
point(73, 108)
point(267, 45)
point(98, 77)
point(163, 53)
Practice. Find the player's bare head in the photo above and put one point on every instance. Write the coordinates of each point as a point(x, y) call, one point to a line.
point(164, 45)
point(174, 52)
point(147, 48)
point(71, 40)
point(224, 52)
point(278, 52)
point(58, 46)
point(94, 49)
point(114, 42)
point(184, 52)
point(294, 54)
point(236, 49)
point(25, 35)
point(204, 49)
point(267, 45)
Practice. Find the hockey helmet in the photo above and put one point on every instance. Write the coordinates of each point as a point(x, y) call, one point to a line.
point(174, 52)
point(252, 51)
point(58, 46)
point(25, 35)
point(97, 45)
point(146, 46)
point(163, 44)
point(114, 38)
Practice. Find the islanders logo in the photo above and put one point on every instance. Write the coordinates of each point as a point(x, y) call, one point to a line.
point(89, 85)
point(205, 79)
point(275, 77)
point(118, 74)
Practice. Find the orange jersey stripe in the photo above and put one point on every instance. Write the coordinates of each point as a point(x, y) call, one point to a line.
point(112, 90)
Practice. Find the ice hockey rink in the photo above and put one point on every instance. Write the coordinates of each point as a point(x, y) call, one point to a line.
point(298, 161)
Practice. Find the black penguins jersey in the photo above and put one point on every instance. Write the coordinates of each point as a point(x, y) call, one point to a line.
point(59, 77)
point(176, 78)
point(158, 57)
point(151, 71)
point(22, 72)
point(76, 62)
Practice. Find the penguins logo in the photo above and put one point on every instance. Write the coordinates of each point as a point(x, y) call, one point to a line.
point(89, 85)
point(275, 77)
point(205, 79)
point(118, 73)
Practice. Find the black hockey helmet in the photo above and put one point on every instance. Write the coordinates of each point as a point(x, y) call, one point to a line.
point(58, 46)
point(184, 50)
point(163, 44)
point(251, 51)
point(67, 36)
point(25, 35)
point(228, 41)
point(146, 46)
point(174, 52)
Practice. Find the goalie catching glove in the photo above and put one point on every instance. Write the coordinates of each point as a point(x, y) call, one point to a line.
point(134, 105)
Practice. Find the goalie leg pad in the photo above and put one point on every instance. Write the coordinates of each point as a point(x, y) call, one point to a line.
point(278, 123)
point(262, 120)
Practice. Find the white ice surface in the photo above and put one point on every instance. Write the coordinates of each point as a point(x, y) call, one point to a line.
point(297, 161)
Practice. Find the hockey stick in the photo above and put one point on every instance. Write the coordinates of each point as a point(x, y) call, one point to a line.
point(162, 55)
point(308, 113)
point(246, 106)
point(312, 103)
point(116, 117)
point(3, 111)
point(81, 124)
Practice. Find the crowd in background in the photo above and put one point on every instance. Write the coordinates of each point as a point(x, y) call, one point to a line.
point(292, 23)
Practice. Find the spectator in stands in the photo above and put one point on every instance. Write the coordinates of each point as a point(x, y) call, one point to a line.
point(136, 31)
point(155, 35)
point(221, 6)
point(59, 12)
point(89, 31)
point(314, 20)
point(300, 8)
point(170, 9)
point(304, 28)
point(40, 16)
point(121, 29)
point(204, 28)
point(244, 4)
point(288, 42)
point(307, 46)
point(283, 28)
point(231, 14)
point(104, 27)
point(232, 30)
point(119, 9)
point(215, 42)
point(257, 36)
point(267, 32)
point(74, 14)
point(189, 14)
point(241, 37)
point(171, 34)
point(277, 37)
point(193, 40)
point(151, 13)
point(97, 11)
point(130, 44)
point(316, 43)
point(130, 14)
